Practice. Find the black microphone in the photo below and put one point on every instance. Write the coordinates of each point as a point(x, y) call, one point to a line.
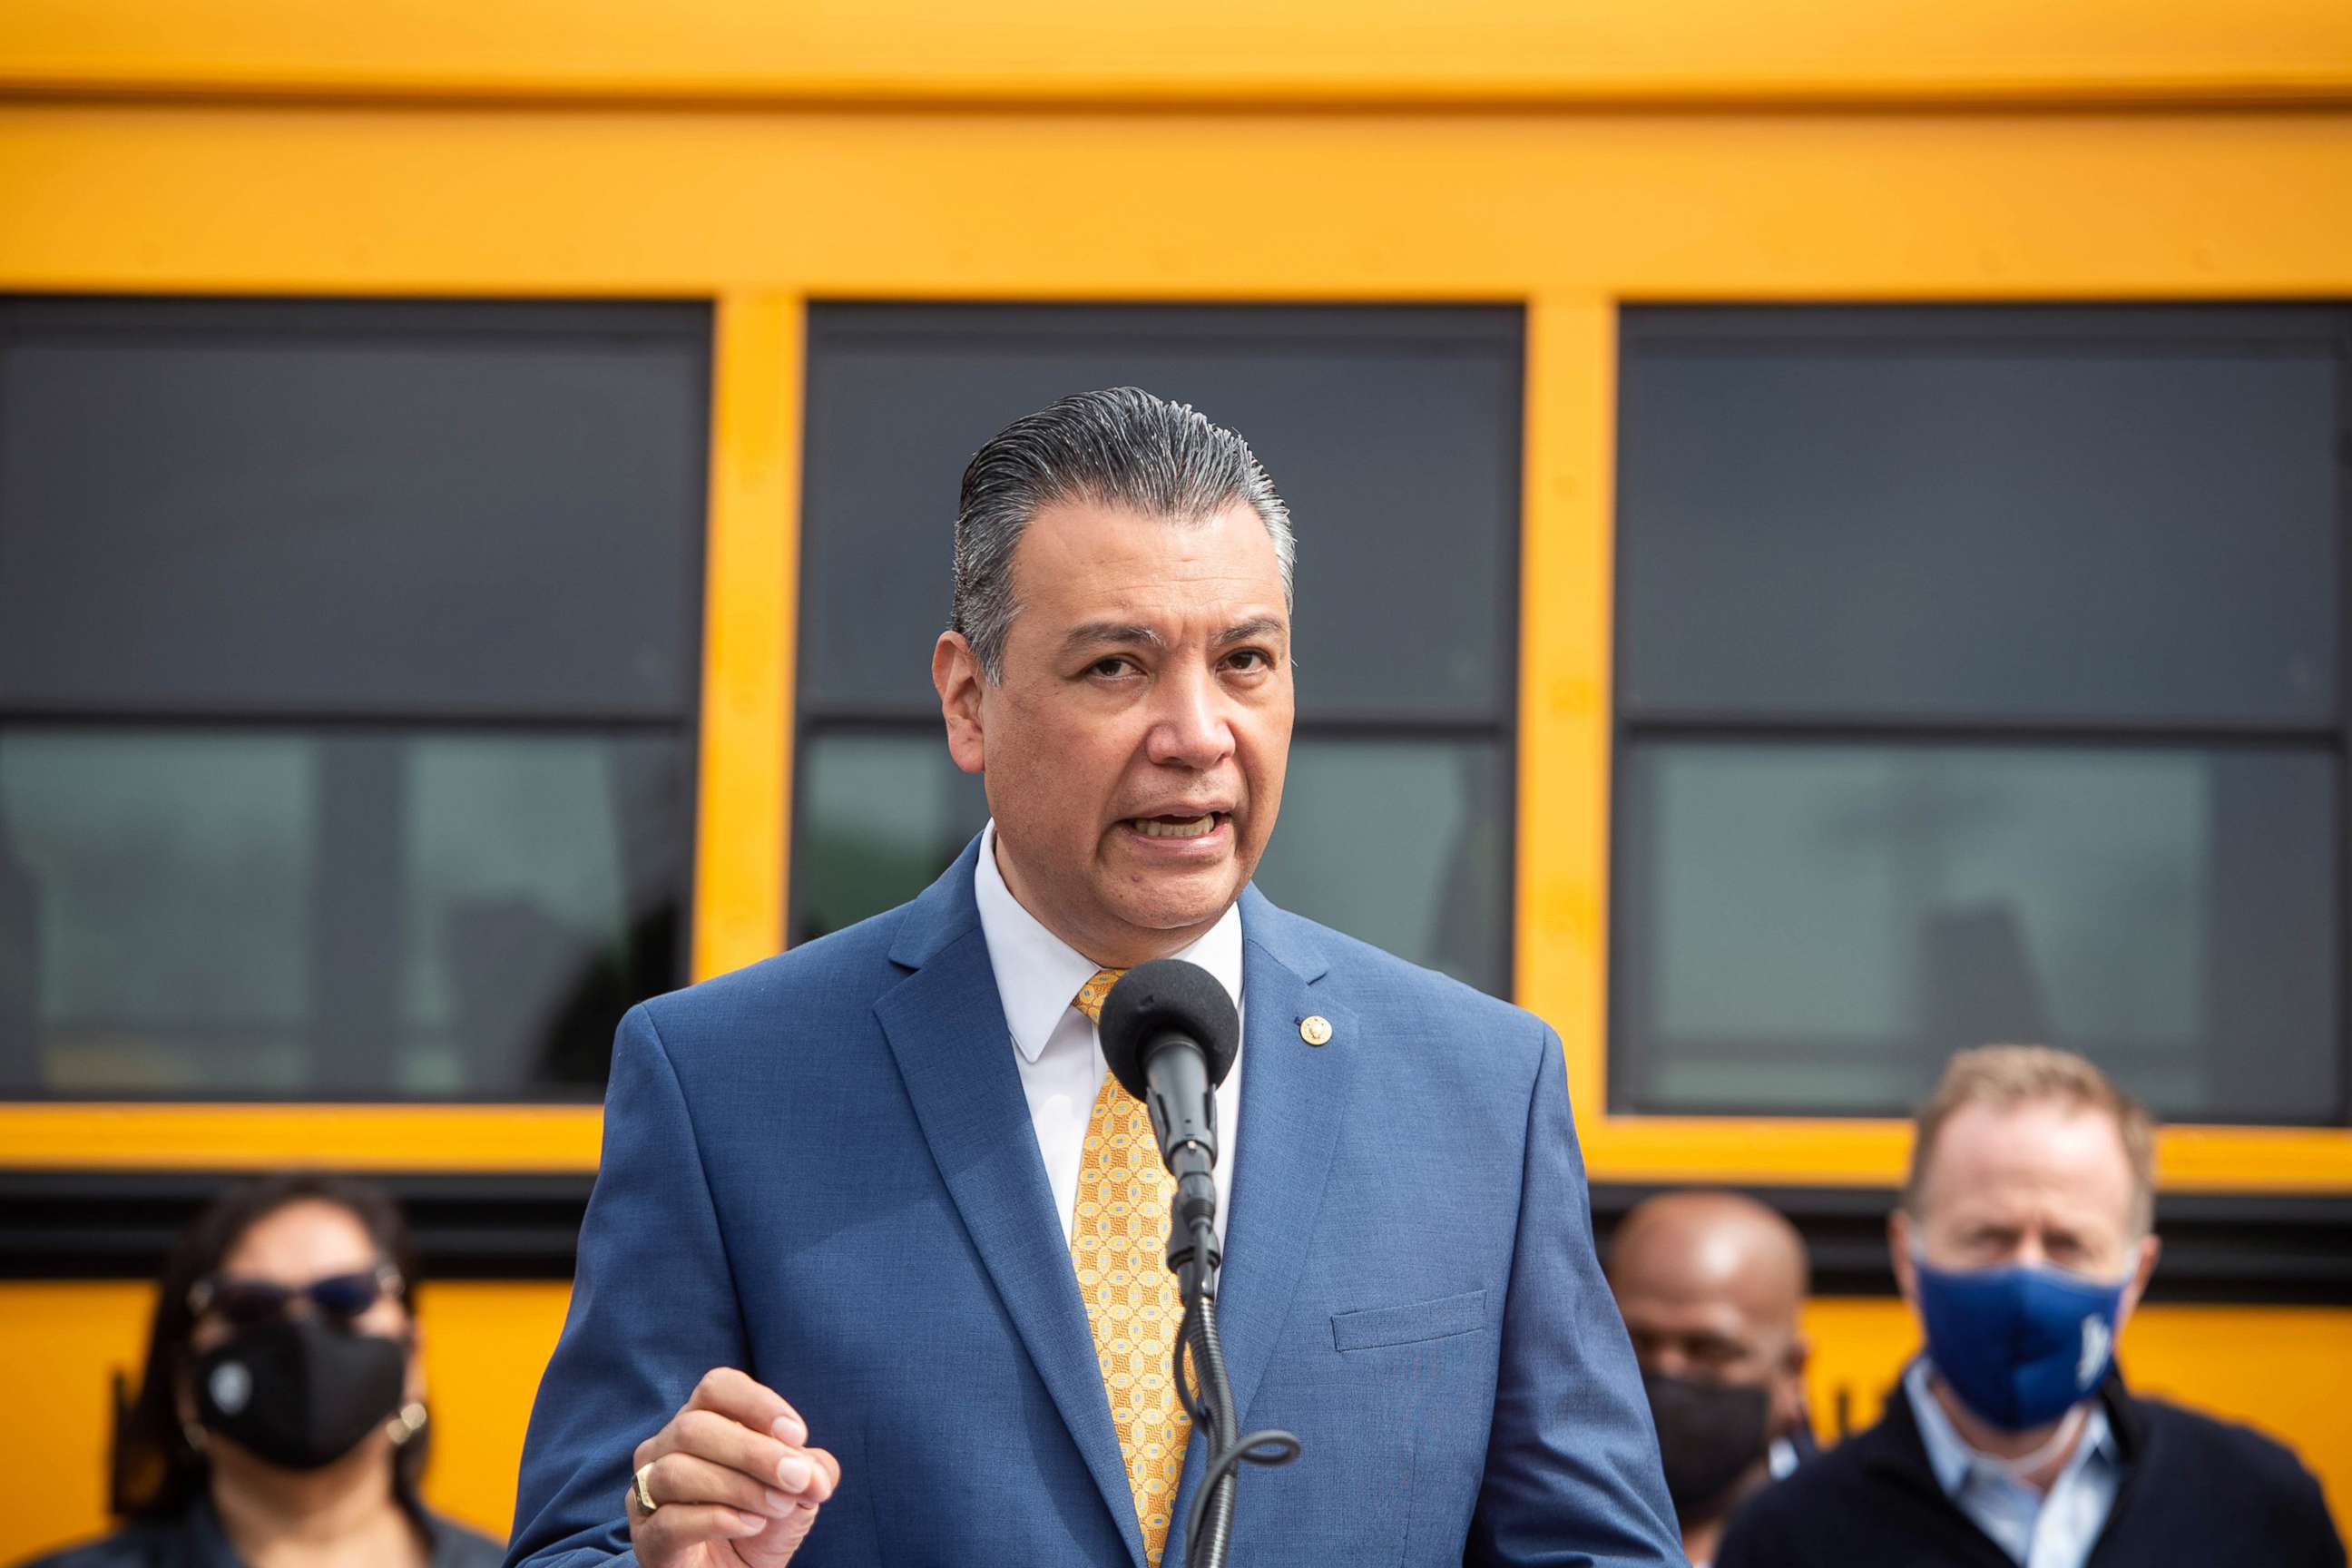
point(1171, 1034)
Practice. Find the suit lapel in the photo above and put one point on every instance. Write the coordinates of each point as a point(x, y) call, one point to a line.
point(1294, 1100)
point(945, 1027)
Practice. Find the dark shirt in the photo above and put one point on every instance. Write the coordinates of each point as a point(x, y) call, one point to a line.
point(194, 1539)
point(2195, 1492)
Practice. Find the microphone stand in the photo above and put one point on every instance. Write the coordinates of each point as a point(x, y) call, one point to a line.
point(1194, 1256)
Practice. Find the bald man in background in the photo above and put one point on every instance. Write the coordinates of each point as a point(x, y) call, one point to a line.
point(1711, 1286)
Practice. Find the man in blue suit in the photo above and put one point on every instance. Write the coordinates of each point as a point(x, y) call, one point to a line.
point(873, 1269)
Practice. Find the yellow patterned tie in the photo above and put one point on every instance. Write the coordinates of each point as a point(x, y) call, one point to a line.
point(1119, 1240)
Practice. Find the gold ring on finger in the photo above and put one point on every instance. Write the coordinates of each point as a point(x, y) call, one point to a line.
point(644, 1493)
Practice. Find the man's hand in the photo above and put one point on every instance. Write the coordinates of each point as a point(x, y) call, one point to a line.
point(731, 1478)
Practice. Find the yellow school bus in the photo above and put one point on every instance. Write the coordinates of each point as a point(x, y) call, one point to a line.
point(1769, 619)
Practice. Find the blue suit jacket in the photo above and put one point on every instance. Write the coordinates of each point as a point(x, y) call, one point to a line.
point(821, 1170)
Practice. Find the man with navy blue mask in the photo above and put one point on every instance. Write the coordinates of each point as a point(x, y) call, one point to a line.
point(2024, 1239)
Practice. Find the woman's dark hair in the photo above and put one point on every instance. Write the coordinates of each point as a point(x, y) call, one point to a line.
point(157, 1472)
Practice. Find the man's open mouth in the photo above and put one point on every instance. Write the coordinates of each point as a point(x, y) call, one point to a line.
point(1177, 826)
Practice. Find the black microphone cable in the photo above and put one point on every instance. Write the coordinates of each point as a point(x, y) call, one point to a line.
point(1209, 1520)
point(1170, 1033)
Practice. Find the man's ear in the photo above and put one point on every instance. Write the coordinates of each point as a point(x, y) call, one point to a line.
point(2143, 1269)
point(1898, 1253)
point(1788, 1388)
point(957, 676)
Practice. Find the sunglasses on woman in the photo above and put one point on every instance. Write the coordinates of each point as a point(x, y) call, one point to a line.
point(339, 1299)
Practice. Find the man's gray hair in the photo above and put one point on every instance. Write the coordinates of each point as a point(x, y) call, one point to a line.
point(1122, 448)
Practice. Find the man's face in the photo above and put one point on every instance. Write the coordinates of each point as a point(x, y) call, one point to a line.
point(1134, 752)
point(2042, 1182)
point(1691, 1321)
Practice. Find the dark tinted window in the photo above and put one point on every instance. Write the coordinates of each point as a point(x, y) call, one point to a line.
point(291, 914)
point(348, 660)
point(1980, 679)
point(1394, 436)
point(883, 812)
point(1959, 513)
point(384, 508)
point(1816, 927)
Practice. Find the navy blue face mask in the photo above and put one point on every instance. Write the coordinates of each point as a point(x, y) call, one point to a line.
point(2020, 1346)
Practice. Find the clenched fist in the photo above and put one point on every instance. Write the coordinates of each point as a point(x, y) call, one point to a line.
point(733, 1482)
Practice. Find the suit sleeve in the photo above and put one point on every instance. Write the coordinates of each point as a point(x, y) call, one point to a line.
point(1572, 1472)
point(653, 1309)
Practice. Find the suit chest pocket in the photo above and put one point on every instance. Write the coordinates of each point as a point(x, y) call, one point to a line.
point(1411, 1323)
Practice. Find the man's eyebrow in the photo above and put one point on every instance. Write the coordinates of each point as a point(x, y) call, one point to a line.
point(1097, 633)
point(1248, 631)
point(1114, 633)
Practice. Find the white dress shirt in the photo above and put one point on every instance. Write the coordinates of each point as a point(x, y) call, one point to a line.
point(2052, 1530)
point(1058, 1047)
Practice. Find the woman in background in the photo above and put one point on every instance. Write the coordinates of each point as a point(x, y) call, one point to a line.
point(282, 1420)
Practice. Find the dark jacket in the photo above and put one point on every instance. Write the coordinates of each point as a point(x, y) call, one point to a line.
point(195, 1541)
point(2195, 1492)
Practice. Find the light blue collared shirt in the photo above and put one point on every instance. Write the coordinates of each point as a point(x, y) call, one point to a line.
point(2056, 1529)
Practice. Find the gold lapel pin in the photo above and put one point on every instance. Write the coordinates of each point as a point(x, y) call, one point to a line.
point(1315, 1030)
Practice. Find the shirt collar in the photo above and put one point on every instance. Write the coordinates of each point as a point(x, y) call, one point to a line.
point(1038, 974)
point(1952, 1457)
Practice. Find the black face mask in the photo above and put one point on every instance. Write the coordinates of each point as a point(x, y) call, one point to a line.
point(1708, 1434)
point(297, 1393)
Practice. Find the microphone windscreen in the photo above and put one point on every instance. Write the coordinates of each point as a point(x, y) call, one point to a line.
point(1165, 995)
